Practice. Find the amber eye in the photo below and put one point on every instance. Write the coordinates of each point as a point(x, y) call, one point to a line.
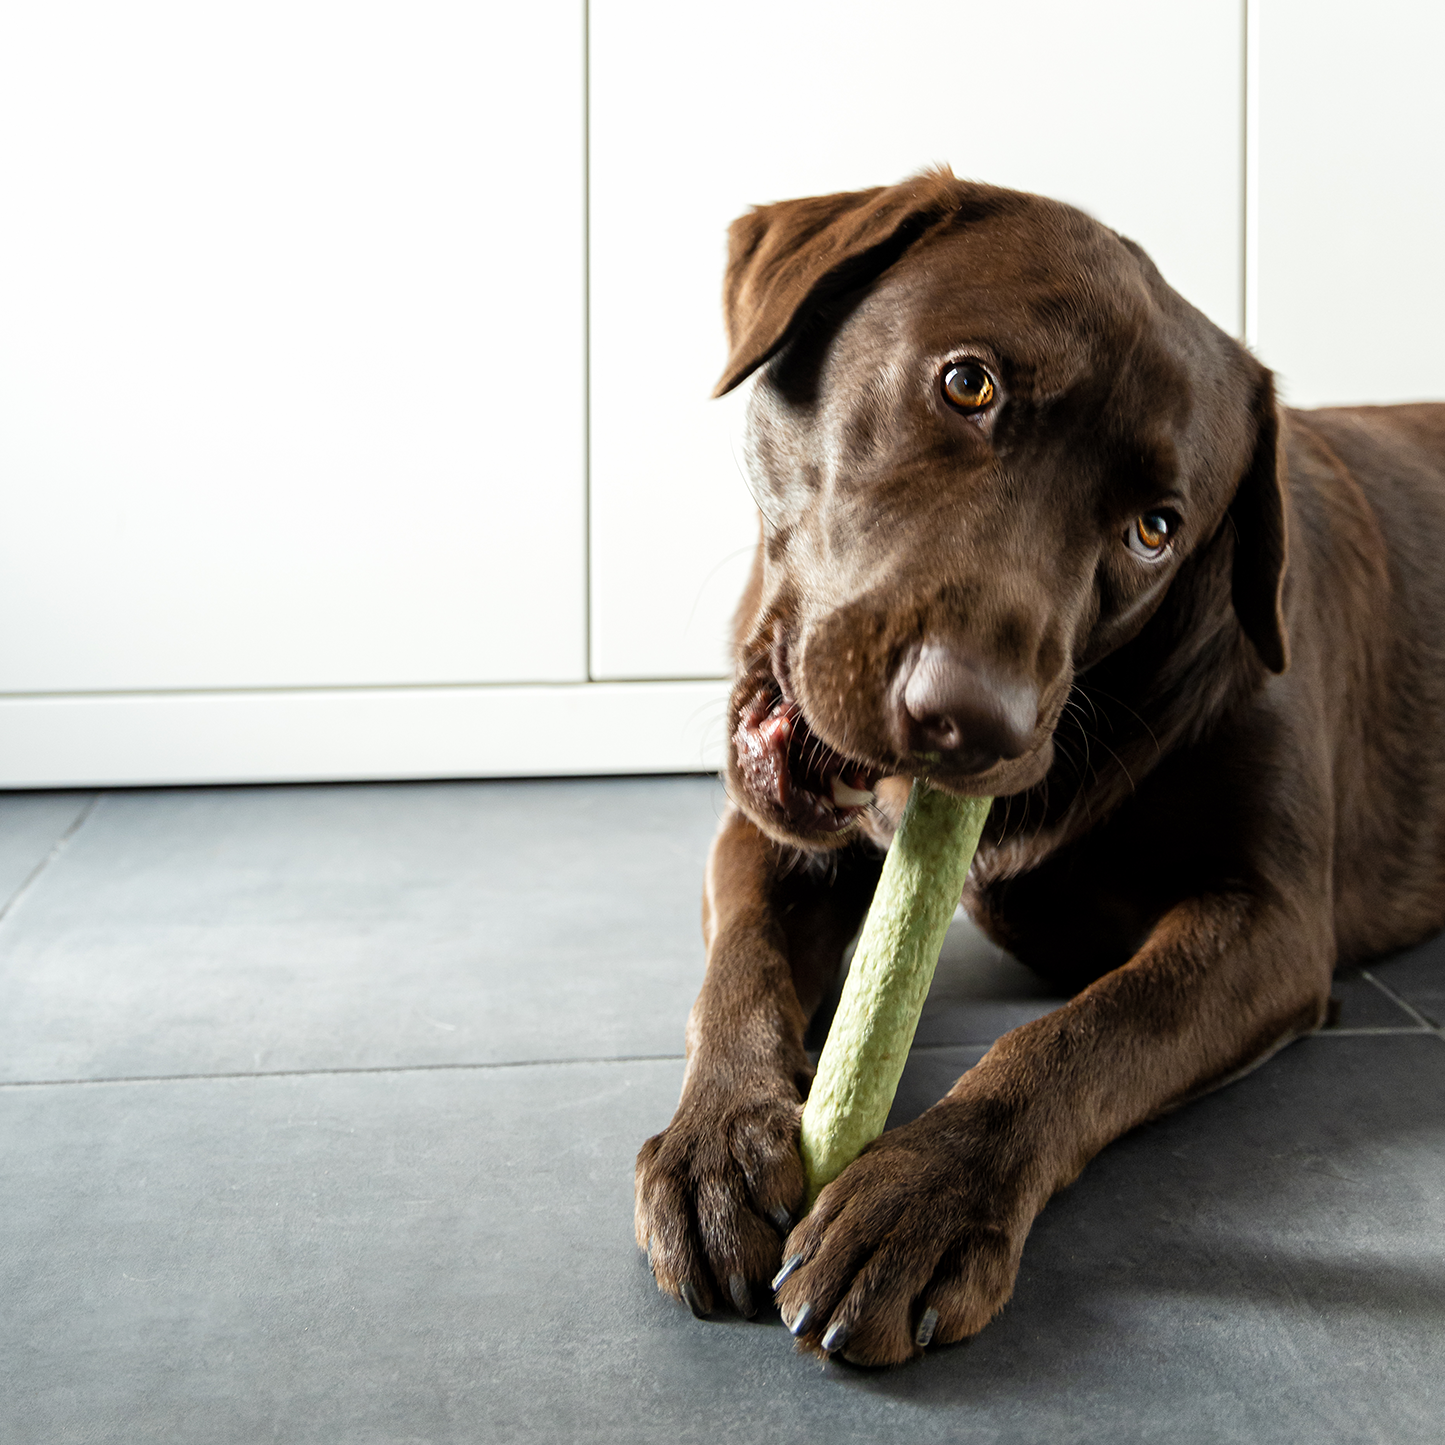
point(1151, 535)
point(967, 386)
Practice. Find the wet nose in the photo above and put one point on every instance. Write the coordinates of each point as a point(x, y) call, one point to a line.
point(953, 704)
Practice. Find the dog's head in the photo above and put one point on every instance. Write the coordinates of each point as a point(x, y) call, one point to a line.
point(985, 438)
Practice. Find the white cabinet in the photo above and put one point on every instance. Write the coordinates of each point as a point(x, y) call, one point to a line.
point(1129, 108)
point(1349, 225)
point(291, 345)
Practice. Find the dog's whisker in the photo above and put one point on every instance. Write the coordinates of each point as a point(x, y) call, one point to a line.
point(1091, 690)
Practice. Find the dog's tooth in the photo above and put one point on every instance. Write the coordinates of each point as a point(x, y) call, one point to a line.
point(846, 797)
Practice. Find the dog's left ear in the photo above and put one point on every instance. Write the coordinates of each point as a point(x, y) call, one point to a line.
point(786, 260)
point(1261, 541)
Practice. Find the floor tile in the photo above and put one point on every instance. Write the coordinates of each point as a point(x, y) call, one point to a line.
point(1364, 1005)
point(446, 1255)
point(979, 991)
point(240, 929)
point(31, 824)
point(1417, 976)
point(929, 1074)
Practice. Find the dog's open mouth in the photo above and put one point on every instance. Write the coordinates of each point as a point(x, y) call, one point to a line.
point(788, 768)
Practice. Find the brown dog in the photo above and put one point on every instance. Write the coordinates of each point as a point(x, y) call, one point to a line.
point(1034, 528)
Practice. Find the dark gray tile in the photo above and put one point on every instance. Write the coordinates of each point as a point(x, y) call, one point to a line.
point(979, 991)
point(928, 1075)
point(446, 1256)
point(1417, 976)
point(31, 824)
point(1363, 1005)
point(239, 929)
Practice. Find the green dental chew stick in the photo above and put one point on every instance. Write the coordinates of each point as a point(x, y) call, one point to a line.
point(893, 965)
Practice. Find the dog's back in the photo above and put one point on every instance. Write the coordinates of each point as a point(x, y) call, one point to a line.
point(1367, 488)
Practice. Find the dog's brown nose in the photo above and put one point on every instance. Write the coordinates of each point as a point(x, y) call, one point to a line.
point(952, 704)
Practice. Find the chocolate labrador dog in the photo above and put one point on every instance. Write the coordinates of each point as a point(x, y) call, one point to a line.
point(1034, 528)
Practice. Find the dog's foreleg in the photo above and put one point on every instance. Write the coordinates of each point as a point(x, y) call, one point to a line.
point(721, 1185)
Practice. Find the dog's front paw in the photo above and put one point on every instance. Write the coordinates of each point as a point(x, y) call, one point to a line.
point(907, 1247)
point(716, 1192)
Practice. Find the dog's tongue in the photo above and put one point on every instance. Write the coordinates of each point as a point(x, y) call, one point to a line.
point(762, 746)
point(810, 783)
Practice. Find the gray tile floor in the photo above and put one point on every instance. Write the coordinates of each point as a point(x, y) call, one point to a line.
point(318, 1108)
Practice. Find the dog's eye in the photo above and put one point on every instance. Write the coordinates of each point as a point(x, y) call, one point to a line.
point(967, 386)
point(1151, 535)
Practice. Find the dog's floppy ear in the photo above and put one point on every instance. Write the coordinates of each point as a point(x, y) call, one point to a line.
point(786, 259)
point(1261, 542)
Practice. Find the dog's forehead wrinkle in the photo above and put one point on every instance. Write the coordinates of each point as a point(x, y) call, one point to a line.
point(782, 459)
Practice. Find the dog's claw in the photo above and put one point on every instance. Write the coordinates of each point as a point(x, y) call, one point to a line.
point(789, 1265)
point(742, 1296)
point(926, 1327)
point(802, 1320)
point(836, 1337)
point(782, 1218)
point(693, 1299)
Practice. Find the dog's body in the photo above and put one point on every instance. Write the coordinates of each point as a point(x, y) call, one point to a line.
point(1036, 529)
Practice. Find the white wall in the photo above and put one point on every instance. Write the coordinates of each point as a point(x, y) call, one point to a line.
point(1351, 216)
point(292, 379)
point(291, 375)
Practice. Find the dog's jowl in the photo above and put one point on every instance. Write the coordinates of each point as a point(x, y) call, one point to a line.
point(1032, 527)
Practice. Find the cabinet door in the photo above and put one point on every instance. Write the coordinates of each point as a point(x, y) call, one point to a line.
point(1129, 108)
point(291, 357)
point(1350, 220)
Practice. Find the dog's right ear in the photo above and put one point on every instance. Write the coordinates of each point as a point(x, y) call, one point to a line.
point(1261, 536)
point(786, 259)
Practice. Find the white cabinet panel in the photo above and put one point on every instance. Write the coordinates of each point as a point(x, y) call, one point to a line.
point(305, 735)
point(291, 367)
point(1129, 108)
point(1351, 214)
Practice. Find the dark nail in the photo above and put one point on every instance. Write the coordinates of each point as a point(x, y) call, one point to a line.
point(693, 1298)
point(803, 1320)
point(781, 1218)
point(836, 1337)
point(789, 1265)
point(742, 1296)
point(926, 1327)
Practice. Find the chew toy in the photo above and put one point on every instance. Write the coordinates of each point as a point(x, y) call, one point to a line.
point(867, 1045)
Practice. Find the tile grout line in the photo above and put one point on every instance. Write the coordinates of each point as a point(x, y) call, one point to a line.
point(56, 849)
point(1409, 1008)
point(322, 1073)
point(388, 1069)
point(1411, 1032)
